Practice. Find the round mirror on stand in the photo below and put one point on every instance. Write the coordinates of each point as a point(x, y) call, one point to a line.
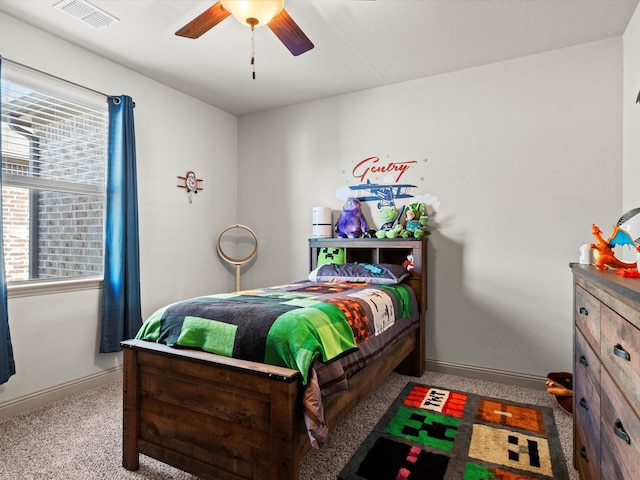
point(238, 262)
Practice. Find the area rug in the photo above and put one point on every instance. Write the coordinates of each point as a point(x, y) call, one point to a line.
point(432, 433)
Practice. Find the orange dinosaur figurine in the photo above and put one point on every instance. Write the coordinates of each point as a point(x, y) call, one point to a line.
point(603, 253)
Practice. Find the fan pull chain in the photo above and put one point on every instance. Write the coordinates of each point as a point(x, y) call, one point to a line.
point(253, 51)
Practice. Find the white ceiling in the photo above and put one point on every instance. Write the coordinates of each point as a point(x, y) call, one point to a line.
point(359, 44)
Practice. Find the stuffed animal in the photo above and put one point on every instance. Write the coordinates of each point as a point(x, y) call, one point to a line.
point(351, 223)
point(408, 263)
point(390, 219)
point(417, 220)
point(395, 232)
point(328, 255)
point(560, 385)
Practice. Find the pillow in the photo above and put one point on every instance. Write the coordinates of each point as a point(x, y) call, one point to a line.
point(379, 273)
point(328, 255)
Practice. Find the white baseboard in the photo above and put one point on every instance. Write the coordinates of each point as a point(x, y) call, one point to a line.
point(487, 374)
point(42, 397)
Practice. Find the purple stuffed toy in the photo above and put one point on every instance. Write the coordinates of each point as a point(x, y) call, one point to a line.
point(351, 223)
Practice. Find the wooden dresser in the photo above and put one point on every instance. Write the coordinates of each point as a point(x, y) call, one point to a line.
point(606, 374)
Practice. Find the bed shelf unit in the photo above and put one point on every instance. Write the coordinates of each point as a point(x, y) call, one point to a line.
point(376, 250)
point(386, 250)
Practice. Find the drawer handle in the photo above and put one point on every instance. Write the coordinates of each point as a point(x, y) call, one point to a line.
point(583, 361)
point(584, 311)
point(583, 454)
point(618, 351)
point(619, 430)
point(583, 404)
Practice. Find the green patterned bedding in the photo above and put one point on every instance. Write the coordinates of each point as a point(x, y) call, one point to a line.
point(288, 325)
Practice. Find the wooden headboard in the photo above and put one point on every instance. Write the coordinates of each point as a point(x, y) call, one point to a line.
point(380, 250)
point(385, 250)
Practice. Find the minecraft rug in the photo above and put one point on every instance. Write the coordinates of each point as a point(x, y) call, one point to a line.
point(432, 433)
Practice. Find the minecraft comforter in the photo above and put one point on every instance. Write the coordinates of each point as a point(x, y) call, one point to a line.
point(290, 325)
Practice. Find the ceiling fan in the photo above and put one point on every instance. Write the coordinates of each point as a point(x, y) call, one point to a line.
point(253, 13)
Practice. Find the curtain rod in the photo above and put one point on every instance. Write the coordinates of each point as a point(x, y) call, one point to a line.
point(53, 76)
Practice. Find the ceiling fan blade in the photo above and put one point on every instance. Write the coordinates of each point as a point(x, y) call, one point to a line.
point(204, 22)
point(290, 33)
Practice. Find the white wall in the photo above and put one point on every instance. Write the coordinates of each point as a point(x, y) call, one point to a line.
point(55, 336)
point(524, 156)
point(631, 112)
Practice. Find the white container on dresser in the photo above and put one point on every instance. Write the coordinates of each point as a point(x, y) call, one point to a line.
point(606, 374)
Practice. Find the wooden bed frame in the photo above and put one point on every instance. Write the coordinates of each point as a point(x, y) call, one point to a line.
point(227, 419)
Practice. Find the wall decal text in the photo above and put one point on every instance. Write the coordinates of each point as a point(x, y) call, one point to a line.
point(371, 166)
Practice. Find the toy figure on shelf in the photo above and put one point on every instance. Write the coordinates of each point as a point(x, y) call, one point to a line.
point(351, 223)
point(408, 263)
point(603, 249)
point(417, 219)
point(391, 226)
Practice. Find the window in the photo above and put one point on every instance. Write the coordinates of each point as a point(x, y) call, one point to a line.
point(54, 151)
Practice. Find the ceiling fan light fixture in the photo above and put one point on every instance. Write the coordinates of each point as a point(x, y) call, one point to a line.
point(253, 12)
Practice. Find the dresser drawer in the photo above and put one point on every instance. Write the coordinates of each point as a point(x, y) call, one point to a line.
point(586, 387)
point(621, 426)
point(620, 355)
point(586, 408)
point(586, 455)
point(610, 469)
point(587, 316)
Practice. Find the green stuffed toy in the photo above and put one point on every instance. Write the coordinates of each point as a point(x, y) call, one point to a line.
point(396, 231)
point(328, 255)
point(391, 226)
point(417, 220)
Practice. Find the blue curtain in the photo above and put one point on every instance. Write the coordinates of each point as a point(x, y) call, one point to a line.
point(121, 307)
point(7, 365)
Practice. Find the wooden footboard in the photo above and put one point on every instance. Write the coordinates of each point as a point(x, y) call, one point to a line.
point(212, 416)
point(226, 419)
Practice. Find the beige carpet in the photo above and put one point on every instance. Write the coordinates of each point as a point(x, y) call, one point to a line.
point(80, 437)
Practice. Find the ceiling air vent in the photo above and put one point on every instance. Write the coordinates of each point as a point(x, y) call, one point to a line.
point(88, 13)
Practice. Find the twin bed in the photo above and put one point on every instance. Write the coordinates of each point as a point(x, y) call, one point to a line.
point(227, 418)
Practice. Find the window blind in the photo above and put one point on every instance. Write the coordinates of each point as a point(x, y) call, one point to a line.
point(51, 143)
point(54, 152)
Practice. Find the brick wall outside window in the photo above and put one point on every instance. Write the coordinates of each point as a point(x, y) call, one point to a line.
point(15, 202)
point(69, 226)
